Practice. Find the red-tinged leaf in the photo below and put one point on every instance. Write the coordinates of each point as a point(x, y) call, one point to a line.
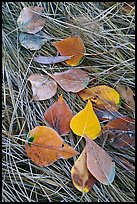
point(120, 132)
point(58, 116)
point(72, 46)
point(99, 163)
point(50, 60)
point(43, 87)
point(128, 95)
point(126, 164)
point(30, 20)
point(44, 146)
point(72, 80)
point(82, 179)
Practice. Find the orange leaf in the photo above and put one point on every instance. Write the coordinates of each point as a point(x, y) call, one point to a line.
point(58, 116)
point(82, 179)
point(44, 146)
point(43, 88)
point(72, 46)
point(99, 163)
point(102, 96)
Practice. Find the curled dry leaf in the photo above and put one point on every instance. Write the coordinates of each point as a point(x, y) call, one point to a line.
point(72, 46)
point(44, 146)
point(72, 80)
point(50, 60)
point(30, 20)
point(43, 87)
point(86, 122)
point(127, 94)
point(32, 41)
point(99, 163)
point(120, 132)
point(102, 96)
point(82, 179)
point(58, 116)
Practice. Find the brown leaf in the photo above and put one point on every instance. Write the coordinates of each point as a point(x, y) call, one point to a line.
point(30, 20)
point(44, 146)
point(58, 116)
point(73, 80)
point(99, 163)
point(126, 164)
point(50, 60)
point(82, 179)
point(43, 87)
point(127, 94)
point(120, 132)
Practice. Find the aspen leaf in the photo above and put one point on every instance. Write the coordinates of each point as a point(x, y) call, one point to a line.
point(72, 80)
point(102, 96)
point(32, 41)
point(50, 60)
point(86, 122)
point(82, 179)
point(120, 132)
point(43, 87)
point(127, 94)
point(58, 116)
point(99, 163)
point(72, 46)
point(30, 20)
point(44, 146)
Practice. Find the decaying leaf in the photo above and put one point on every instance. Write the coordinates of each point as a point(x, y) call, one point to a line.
point(58, 116)
point(32, 41)
point(30, 20)
point(102, 96)
point(120, 132)
point(44, 146)
point(82, 179)
point(43, 87)
point(50, 60)
point(127, 94)
point(128, 8)
point(99, 163)
point(104, 114)
point(126, 164)
point(72, 46)
point(72, 80)
point(86, 122)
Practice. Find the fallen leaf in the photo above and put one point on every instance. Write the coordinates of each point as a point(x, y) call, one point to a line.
point(72, 80)
point(72, 46)
point(43, 87)
point(58, 116)
point(82, 179)
point(127, 94)
point(128, 8)
point(102, 96)
point(86, 122)
point(104, 114)
point(44, 146)
point(99, 163)
point(32, 41)
point(50, 60)
point(30, 20)
point(120, 132)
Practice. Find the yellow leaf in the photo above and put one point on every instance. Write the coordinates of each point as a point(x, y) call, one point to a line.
point(86, 122)
point(102, 96)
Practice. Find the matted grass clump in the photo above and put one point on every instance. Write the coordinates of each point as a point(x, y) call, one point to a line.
point(104, 28)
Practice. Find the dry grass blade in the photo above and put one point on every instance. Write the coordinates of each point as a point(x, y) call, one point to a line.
point(21, 179)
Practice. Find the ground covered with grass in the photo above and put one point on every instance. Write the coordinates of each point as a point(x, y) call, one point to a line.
point(104, 28)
